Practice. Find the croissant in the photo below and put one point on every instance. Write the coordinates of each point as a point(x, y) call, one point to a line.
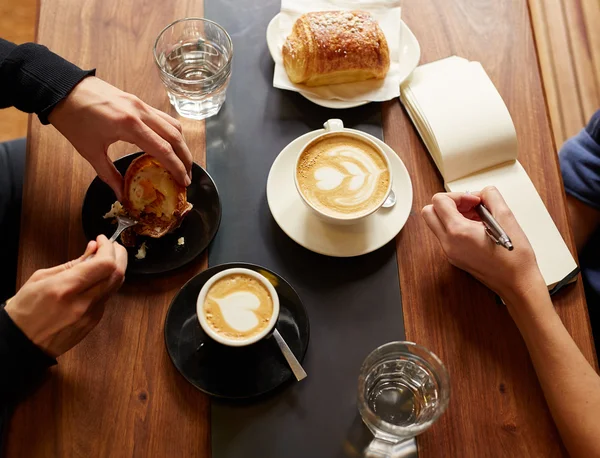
point(333, 47)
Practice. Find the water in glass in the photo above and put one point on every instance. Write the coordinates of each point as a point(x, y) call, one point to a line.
point(398, 391)
point(194, 58)
point(403, 389)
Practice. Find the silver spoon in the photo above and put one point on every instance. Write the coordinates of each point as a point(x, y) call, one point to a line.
point(289, 356)
point(391, 200)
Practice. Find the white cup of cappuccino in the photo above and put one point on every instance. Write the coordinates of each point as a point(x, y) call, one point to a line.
point(342, 175)
point(237, 307)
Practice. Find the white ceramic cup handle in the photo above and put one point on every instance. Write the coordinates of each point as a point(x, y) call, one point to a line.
point(333, 125)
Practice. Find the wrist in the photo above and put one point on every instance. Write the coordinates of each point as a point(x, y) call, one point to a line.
point(529, 302)
point(64, 108)
point(19, 321)
point(60, 111)
point(22, 320)
point(31, 356)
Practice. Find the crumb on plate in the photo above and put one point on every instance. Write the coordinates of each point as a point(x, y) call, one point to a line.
point(141, 254)
point(181, 241)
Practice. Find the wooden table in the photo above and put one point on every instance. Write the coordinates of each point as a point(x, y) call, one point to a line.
point(116, 394)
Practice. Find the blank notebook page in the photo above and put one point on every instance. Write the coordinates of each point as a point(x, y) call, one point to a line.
point(462, 116)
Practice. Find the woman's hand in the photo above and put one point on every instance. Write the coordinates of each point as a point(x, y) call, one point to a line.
point(453, 220)
point(95, 115)
point(570, 384)
point(58, 307)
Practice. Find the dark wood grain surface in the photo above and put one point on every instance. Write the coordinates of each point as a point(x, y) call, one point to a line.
point(116, 394)
point(497, 407)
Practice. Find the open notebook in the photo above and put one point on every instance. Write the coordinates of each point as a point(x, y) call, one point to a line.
point(470, 135)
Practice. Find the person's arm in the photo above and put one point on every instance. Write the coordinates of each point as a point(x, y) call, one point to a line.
point(570, 384)
point(22, 366)
point(51, 313)
point(89, 112)
point(34, 79)
point(580, 167)
point(22, 363)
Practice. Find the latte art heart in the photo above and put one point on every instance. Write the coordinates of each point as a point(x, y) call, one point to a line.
point(342, 174)
point(238, 310)
point(328, 178)
point(238, 306)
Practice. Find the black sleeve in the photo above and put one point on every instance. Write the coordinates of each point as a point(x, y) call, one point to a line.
point(34, 79)
point(22, 363)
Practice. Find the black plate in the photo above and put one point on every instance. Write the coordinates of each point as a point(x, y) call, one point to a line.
point(229, 372)
point(198, 228)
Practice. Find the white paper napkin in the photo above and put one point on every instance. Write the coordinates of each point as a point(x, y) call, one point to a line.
point(386, 12)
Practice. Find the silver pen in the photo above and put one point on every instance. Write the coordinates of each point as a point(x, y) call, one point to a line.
point(492, 228)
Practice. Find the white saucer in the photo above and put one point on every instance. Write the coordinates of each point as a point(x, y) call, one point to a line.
point(409, 59)
point(336, 104)
point(306, 229)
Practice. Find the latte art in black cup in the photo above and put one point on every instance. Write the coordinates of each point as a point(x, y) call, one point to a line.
point(237, 307)
point(343, 176)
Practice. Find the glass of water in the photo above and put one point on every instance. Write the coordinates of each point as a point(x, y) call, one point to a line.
point(403, 388)
point(193, 56)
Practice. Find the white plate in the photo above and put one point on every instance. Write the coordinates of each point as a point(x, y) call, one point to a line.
point(306, 229)
point(410, 53)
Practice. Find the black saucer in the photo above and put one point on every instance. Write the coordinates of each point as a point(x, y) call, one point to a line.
point(198, 228)
point(228, 372)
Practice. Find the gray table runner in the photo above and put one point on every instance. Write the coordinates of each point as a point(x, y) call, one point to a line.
point(353, 304)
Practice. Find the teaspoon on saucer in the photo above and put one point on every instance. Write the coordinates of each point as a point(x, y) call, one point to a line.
point(295, 366)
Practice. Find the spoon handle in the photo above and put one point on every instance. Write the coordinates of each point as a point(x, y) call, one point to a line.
point(289, 356)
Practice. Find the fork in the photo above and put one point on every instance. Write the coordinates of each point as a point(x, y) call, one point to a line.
point(123, 223)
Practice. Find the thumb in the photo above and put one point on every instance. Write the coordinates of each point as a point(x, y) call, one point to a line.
point(108, 173)
point(91, 248)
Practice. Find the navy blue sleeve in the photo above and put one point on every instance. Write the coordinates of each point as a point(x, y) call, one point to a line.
point(34, 79)
point(580, 164)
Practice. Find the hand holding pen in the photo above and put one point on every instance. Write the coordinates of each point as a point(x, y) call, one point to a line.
point(454, 219)
point(492, 227)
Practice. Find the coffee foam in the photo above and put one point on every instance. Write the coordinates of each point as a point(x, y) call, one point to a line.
point(342, 175)
point(238, 307)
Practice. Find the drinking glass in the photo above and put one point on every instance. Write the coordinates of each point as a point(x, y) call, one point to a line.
point(193, 56)
point(403, 388)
